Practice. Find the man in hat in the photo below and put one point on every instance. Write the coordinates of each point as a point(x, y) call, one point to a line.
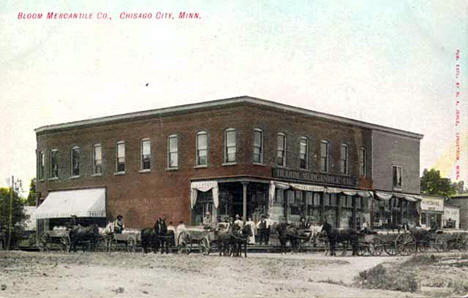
point(118, 224)
point(262, 230)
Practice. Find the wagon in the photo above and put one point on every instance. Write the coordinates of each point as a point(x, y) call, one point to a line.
point(56, 239)
point(194, 238)
point(449, 240)
point(370, 244)
point(127, 240)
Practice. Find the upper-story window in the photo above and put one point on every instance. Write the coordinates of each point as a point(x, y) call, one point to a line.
point(324, 155)
point(120, 160)
point(97, 159)
point(258, 146)
point(362, 162)
point(75, 161)
point(397, 179)
point(344, 159)
point(173, 152)
point(230, 145)
point(54, 167)
point(145, 157)
point(281, 149)
point(202, 148)
point(40, 164)
point(303, 149)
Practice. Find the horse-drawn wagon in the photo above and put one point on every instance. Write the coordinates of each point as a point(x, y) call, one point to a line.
point(195, 238)
point(56, 239)
point(127, 240)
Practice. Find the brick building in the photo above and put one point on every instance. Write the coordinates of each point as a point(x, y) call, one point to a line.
point(240, 155)
point(461, 201)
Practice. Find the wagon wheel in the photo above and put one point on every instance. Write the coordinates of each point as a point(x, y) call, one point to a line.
point(390, 248)
point(205, 246)
point(405, 244)
point(43, 242)
point(376, 247)
point(64, 244)
point(363, 249)
point(131, 245)
point(440, 244)
point(185, 242)
point(462, 243)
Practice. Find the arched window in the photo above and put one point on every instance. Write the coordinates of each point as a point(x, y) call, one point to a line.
point(173, 152)
point(324, 155)
point(202, 148)
point(281, 149)
point(230, 145)
point(258, 146)
point(303, 150)
point(75, 161)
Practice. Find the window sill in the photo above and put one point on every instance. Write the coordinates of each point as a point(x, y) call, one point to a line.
point(172, 169)
point(74, 177)
point(229, 164)
point(200, 167)
point(119, 173)
point(144, 171)
point(96, 175)
point(41, 180)
point(397, 188)
point(53, 178)
point(258, 164)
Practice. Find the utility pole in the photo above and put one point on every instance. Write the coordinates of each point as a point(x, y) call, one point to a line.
point(15, 186)
point(10, 216)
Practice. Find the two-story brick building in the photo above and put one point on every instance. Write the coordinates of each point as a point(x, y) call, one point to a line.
point(240, 155)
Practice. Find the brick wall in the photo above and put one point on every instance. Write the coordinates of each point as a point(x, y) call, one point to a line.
point(141, 197)
point(388, 150)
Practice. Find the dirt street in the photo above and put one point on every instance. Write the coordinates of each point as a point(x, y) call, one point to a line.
point(36, 274)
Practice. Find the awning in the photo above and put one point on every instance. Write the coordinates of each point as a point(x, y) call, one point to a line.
point(307, 187)
point(383, 195)
point(204, 186)
point(81, 203)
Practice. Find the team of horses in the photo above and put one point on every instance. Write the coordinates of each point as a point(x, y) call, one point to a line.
point(232, 241)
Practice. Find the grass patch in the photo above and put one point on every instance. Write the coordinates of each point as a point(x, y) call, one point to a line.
point(380, 277)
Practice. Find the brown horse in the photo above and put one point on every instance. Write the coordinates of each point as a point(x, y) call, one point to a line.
point(80, 235)
point(346, 236)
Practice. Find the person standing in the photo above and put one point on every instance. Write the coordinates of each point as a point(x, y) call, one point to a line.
point(262, 229)
point(253, 228)
point(207, 219)
point(119, 225)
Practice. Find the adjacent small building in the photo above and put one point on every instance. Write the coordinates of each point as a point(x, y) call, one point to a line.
point(432, 210)
point(461, 201)
point(451, 217)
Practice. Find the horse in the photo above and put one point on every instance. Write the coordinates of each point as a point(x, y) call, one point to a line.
point(287, 232)
point(223, 239)
point(240, 239)
point(149, 240)
point(344, 236)
point(83, 235)
point(106, 235)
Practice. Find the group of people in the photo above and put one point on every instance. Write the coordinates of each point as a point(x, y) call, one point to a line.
point(260, 230)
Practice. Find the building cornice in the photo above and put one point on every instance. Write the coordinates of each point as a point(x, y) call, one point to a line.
point(218, 104)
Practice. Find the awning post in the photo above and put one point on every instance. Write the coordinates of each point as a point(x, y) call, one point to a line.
point(244, 201)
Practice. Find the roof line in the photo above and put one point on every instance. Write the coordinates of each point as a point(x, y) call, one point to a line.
point(223, 102)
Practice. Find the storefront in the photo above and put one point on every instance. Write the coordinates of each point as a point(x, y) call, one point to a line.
point(280, 200)
point(391, 210)
point(432, 209)
point(87, 206)
point(451, 217)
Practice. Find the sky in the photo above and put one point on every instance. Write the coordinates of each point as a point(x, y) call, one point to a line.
point(391, 63)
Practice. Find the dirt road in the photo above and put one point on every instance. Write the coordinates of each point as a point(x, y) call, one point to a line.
point(35, 274)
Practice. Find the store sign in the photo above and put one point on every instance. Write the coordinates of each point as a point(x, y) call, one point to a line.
point(432, 204)
point(314, 177)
